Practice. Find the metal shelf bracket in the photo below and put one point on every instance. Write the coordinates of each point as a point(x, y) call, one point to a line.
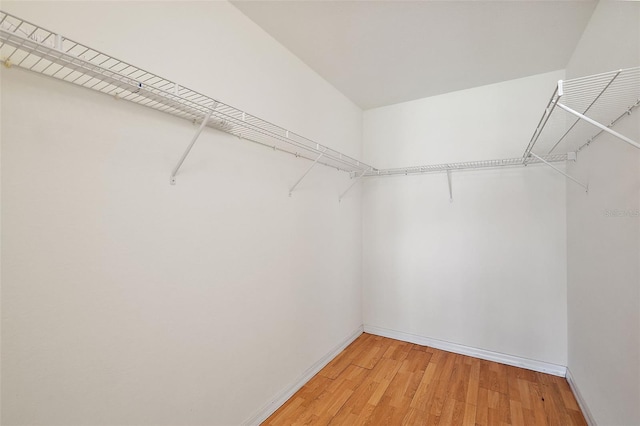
point(356, 180)
point(586, 187)
point(172, 180)
point(450, 187)
point(548, 111)
point(305, 173)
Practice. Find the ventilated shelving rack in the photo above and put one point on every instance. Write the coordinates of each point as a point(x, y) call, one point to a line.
point(448, 168)
point(582, 109)
point(466, 165)
point(578, 112)
point(586, 103)
point(27, 46)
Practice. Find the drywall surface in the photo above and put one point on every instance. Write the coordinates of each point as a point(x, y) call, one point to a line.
point(603, 238)
point(489, 269)
point(129, 301)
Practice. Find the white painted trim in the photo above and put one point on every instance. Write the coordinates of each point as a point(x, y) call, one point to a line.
point(516, 361)
point(581, 401)
point(281, 397)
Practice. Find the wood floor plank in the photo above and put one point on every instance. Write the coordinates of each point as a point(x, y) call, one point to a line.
point(525, 396)
point(345, 358)
point(415, 361)
point(280, 416)
point(370, 355)
point(529, 417)
point(365, 414)
point(504, 408)
point(385, 369)
point(469, 418)
point(541, 415)
point(485, 374)
point(448, 408)
point(503, 379)
point(462, 383)
point(517, 416)
point(314, 387)
point(493, 417)
point(494, 383)
point(528, 375)
point(577, 418)
point(452, 412)
point(442, 384)
point(380, 390)
point(482, 411)
point(350, 378)
point(386, 414)
point(380, 381)
point(422, 397)
point(414, 417)
point(398, 350)
point(421, 348)
point(514, 388)
point(493, 399)
point(568, 398)
point(555, 404)
point(474, 382)
point(399, 390)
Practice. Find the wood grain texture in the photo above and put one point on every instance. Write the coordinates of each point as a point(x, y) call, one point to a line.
point(381, 381)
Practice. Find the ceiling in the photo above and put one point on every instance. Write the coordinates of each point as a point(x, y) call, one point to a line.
point(383, 52)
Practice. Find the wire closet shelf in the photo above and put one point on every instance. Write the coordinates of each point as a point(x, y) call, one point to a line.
point(28, 46)
point(578, 112)
point(585, 103)
point(466, 165)
point(582, 109)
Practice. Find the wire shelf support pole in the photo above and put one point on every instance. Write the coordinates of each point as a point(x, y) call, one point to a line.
point(305, 173)
point(586, 187)
point(599, 125)
point(551, 105)
point(613, 123)
point(172, 180)
point(356, 180)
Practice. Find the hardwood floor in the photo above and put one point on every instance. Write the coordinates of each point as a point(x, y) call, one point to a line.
point(382, 381)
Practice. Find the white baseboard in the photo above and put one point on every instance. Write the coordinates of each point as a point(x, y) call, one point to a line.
point(529, 364)
point(581, 402)
point(286, 393)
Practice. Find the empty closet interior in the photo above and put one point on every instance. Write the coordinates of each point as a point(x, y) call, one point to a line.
point(205, 203)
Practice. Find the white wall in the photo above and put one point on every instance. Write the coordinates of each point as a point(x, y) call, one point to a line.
point(488, 270)
point(604, 251)
point(129, 301)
